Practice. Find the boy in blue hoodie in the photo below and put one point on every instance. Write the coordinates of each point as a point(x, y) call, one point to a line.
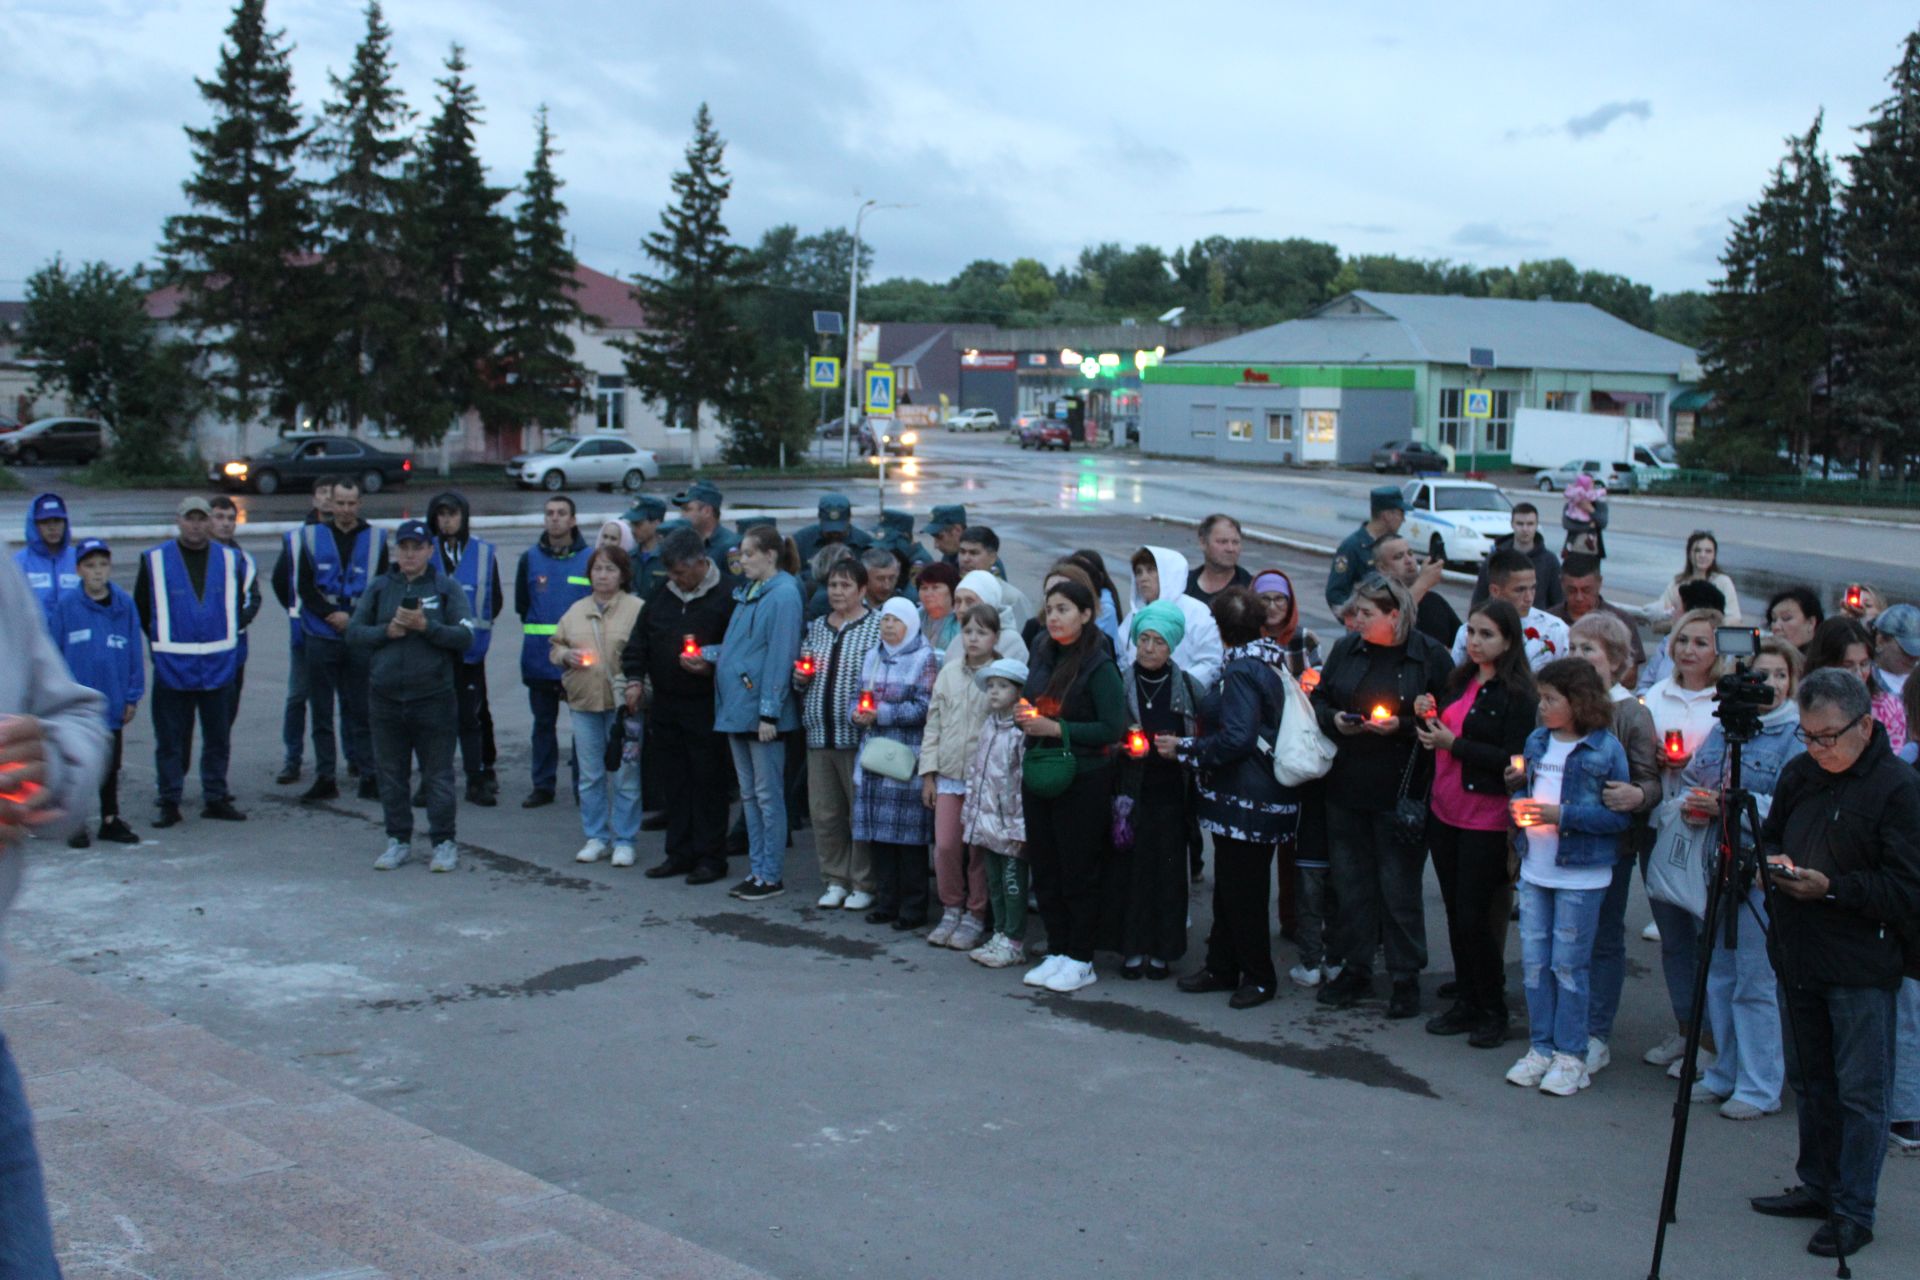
point(47, 560)
point(97, 629)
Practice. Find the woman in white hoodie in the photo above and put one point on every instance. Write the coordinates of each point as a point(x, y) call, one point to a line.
point(981, 587)
point(1161, 574)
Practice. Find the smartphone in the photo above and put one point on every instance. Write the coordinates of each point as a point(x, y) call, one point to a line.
point(410, 602)
point(1784, 872)
point(1349, 717)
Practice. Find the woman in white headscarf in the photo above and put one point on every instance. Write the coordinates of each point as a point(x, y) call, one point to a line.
point(616, 532)
point(981, 587)
point(896, 688)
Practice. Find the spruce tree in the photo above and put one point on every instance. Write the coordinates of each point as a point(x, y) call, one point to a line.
point(693, 352)
point(1769, 353)
point(252, 216)
point(372, 313)
point(462, 247)
point(1879, 327)
point(537, 379)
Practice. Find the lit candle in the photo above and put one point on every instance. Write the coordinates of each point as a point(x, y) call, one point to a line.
point(586, 657)
point(805, 665)
point(1136, 742)
point(690, 648)
point(1310, 679)
point(1853, 596)
point(1522, 812)
point(1518, 764)
point(866, 700)
point(1380, 713)
point(1676, 744)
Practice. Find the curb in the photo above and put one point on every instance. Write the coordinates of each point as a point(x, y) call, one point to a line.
point(1312, 548)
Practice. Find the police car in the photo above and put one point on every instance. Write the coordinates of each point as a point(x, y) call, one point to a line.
point(1453, 519)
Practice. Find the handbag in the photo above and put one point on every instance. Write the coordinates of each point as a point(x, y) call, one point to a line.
point(889, 759)
point(1681, 861)
point(1410, 812)
point(1301, 752)
point(1047, 771)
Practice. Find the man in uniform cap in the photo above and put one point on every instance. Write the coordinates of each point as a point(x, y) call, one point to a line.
point(895, 534)
point(835, 524)
point(644, 518)
point(1354, 558)
point(944, 526)
point(700, 503)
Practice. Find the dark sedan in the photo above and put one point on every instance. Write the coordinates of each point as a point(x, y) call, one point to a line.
point(1408, 456)
point(298, 460)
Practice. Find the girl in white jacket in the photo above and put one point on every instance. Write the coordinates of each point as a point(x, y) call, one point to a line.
point(954, 717)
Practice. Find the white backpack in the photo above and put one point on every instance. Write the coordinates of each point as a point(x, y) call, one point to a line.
point(1301, 752)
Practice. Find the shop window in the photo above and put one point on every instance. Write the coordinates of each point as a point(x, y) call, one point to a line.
point(610, 403)
point(1447, 421)
point(1321, 425)
point(1499, 428)
point(1563, 401)
point(1240, 429)
point(1279, 428)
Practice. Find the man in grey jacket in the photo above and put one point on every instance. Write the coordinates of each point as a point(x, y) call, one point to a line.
point(53, 749)
point(414, 624)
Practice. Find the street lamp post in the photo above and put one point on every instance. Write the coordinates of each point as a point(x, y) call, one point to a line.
point(853, 332)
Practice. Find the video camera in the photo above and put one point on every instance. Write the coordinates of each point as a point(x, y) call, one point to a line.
point(1744, 695)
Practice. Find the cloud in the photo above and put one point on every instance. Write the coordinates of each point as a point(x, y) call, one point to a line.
point(1229, 211)
point(1367, 228)
point(1488, 235)
point(1597, 120)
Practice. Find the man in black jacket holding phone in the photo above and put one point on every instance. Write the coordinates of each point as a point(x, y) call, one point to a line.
point(1840, 843)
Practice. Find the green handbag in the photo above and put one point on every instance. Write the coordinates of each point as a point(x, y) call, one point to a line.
point(1048, 771)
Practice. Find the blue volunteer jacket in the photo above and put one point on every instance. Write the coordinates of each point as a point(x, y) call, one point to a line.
point(50, 571)
point(104, 648)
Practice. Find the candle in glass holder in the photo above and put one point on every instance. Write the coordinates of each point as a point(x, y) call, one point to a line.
point(866, 701)
point(1310, 679)
point(586, 657)
point(689, 647)
point(1522, 812)
point(1136, 742)
point(1380, 713)
point(805, 665)
point(1676, 744)
point(1853, 596)
point(1518, 764)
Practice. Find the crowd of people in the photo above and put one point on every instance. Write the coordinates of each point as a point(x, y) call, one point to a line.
point(963, 750)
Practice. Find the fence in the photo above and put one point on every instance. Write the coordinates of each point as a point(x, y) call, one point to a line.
point(1848, 492)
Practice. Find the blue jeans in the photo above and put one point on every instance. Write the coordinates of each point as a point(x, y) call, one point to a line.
point(1556, 951)
point(174, 711)
point(1679, 952)
point(1840, 1065)
point(1609, 967)
point(615, 820)
point(26, 1233)
point(293, 719)
point(1904, 1102)
point(1743, 1008)
point(761, 767)
point(544, 699)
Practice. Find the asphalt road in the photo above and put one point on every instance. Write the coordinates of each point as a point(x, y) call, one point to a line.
point(816, 1097)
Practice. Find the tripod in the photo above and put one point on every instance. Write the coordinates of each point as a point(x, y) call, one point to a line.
point(1736, 866)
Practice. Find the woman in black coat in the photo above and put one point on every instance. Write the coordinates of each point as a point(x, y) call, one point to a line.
point(1241, 803)
point(1365, 703)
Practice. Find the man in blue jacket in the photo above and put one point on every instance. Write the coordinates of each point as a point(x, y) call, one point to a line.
point(98, 631)
point(474, 563)
point(552, 575)
point(47, 560)
point(338, 560)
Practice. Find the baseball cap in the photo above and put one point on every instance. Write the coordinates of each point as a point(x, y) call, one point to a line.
point(49, 506)
point(700, 491)
point(1006, 669)
point(646, 507)
point(836, 513)
point(412, 531)
point(190, 505)
point(952, 516)
point(1902, 623)
point(1387, 498)
point(898, 522)
point(91, 546)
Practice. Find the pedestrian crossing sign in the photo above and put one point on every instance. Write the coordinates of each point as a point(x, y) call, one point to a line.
point(823, 371)
point(1477, 404)
point(880, 391)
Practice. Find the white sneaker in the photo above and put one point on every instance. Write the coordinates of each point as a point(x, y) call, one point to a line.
point(1672, 1049)
point(623, 855)
point(1530, 1070)
point(1002, 953)
point(1598, 1055)
point(446, 856)
point(1042, 973)
point(1566, 1076)
point(1328, 972)
point(398, 851)
point(858, 900)
point(1700, 1065)
point(1071, 976)
point(834, 898)
point(1701, 1093)
point(1651, 933)
point(1303, 976)
point(592, 851)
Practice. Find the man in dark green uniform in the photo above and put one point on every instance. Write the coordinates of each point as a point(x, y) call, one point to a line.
point(644, 518)
point(700, 504)
point(895, 534)
point(835, 524)
point(945, 526)
point(1354, 558)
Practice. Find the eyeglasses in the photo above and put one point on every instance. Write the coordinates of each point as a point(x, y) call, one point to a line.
point(1827, 740)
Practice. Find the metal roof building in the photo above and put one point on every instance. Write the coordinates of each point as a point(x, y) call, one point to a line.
point(1367, 368)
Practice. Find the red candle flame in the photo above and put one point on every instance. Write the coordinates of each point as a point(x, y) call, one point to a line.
point(1136, 743)
point(1676, 743)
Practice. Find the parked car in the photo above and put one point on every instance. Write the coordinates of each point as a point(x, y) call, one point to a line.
point(1615, 475)
point(1453, 519)
point(8, 423)
point(1025, 420)
point(589, 461)
point(1046, 433)
point(973, 420)
point(1409, 456)
point(55, 440)
point(300, 459)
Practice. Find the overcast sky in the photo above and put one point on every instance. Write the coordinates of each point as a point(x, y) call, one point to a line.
point(1621, 136)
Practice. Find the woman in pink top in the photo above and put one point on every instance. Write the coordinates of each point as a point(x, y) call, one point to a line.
point(1479, 723)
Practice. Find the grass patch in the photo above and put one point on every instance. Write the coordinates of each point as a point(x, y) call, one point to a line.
point(8, 480)
point(102, 473)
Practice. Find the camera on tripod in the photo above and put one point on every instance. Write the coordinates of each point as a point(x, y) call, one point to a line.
point(1744, 695)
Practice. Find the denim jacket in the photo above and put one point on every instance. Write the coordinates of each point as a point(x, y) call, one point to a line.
point(1589, 831)
point(1760, 762)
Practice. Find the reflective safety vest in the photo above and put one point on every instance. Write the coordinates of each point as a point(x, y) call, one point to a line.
point(196, 638)
point(553, 584)
point(290, 548)
point(474, 572)
point(341, 583)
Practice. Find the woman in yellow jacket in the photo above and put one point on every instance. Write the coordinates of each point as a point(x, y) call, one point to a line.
point(587, 644)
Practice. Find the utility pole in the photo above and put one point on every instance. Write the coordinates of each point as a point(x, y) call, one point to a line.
point(853, 332)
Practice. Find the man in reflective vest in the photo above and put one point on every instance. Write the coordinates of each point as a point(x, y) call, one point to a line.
point(552, 575)
point(337, 562)
point(475, 565)
point(226, 523)
point(194, 599)
point(286, 586)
